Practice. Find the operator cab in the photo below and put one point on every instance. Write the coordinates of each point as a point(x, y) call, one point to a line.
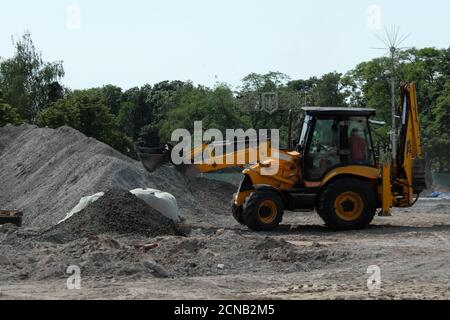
point(335, 137)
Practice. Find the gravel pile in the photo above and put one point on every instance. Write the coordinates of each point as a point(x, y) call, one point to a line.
point(45, 172)
point(117, 212)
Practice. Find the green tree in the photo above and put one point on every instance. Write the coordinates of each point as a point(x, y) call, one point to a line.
point(437, 134)
point(135, 110)
point(191, 105)
point(8, 114)
point(249, 100)
point(327, 91)
point(368, 85)
point(86, 111)
point(27, 82)
point(426, 67)
point(264, 82)
point(165, 96)
point(214, 107)
point(113, 97)
point(145, 111)
point(149, 134)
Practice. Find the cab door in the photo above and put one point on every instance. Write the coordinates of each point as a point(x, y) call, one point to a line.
point(336, 141)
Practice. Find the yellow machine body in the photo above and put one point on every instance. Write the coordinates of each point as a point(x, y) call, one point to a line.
point(345, 196)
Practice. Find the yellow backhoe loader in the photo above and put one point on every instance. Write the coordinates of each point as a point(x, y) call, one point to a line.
point(332, 169)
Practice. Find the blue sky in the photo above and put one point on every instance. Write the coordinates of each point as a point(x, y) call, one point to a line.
point(132, 42)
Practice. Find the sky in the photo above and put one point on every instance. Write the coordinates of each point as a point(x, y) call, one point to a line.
point(132, 42)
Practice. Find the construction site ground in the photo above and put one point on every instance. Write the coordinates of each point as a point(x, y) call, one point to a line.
point(210, 256)
point(301, 260)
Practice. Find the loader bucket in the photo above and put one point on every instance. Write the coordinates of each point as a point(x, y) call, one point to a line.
point(422, 177)
point(11, 216)
point(153, 157)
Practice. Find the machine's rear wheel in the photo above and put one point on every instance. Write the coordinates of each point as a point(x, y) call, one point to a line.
point(263, 210)
point(347, 204)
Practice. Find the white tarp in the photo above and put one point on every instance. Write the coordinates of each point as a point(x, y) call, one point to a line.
point(164, 202)
point(83, 203)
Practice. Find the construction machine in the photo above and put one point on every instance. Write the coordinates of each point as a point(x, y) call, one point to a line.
point(11, 216)
point(332, 168)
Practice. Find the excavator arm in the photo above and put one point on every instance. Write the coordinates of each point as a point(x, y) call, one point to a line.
point(207, 157)
point(263, 165)
point(257, 157)
point(410, 170)
point(211, 160)
point(406, 176)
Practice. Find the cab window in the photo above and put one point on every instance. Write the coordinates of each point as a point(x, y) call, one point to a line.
point(359, 142)
point(337, 141)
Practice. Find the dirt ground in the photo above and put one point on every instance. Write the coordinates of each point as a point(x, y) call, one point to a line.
point(222, 260)
point(45, 172)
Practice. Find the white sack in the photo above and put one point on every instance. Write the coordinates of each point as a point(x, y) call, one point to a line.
point(164, 202)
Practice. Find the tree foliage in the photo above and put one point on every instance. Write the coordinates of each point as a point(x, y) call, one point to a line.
point(150, 113)
point(368, 85)
point(8, 114)
point(437, 133)
point(87, 112)
point(28, 83)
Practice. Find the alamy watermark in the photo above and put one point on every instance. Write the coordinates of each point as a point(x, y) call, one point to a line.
point(238, 148)
point(374, 280)
point(74, 280)
point(271, 102)
point(374, 18)
point(73, 20)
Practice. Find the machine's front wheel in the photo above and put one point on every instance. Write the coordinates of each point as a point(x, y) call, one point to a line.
point(347, 204)
point(237, 213)
point(263, 210)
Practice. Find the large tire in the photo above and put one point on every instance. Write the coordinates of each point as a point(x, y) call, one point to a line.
point(237, 213)
point(347, 204)
point(263, 210)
